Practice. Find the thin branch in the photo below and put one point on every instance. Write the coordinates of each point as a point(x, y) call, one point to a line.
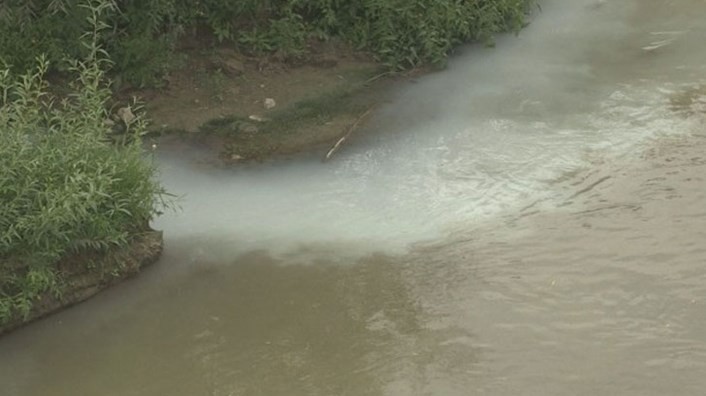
point(352, 128)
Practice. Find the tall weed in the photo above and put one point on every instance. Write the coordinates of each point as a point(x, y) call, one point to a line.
point(65, 188)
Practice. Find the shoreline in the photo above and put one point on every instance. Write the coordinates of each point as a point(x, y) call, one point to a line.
point(245, 113)
point(314, 118)
point(83, 281)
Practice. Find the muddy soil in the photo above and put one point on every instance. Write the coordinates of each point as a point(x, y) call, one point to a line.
point(248, 108)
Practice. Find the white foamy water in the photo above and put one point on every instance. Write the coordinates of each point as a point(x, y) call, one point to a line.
point(485, 137)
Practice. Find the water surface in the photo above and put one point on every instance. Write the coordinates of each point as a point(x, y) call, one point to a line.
point(531, 220)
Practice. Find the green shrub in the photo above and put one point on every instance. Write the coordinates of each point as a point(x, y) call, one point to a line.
point(400, 33)
point(407, 33)
point(141, 37)
point(144, 33)
point(65, 187)
point(29, 28)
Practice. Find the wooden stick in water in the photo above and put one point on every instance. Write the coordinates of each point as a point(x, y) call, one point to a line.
point(352, 128)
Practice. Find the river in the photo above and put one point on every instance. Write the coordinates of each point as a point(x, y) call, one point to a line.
point(529, 221)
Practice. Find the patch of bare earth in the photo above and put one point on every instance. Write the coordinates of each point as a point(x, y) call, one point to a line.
point(248, 108)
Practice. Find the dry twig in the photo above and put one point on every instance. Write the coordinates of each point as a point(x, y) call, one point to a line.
point(352, 128)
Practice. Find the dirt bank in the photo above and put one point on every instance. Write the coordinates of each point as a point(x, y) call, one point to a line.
point(247, 108)
point(87, 275)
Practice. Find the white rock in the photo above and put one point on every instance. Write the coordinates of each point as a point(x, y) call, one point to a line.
point(270, 103)
point(125, 114)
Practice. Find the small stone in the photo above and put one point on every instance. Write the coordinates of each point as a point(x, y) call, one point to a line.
point(256, 118)
point(249, 128)
point(270, 103)
point(232, 67)
point(126, 115)
point(235, 157)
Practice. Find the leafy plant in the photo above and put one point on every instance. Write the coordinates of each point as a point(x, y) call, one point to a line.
point(144, 34)
point(65, 188)
point(407, 33)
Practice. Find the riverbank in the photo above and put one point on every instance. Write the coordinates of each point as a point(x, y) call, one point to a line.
point(83, 276)
point(252, 109)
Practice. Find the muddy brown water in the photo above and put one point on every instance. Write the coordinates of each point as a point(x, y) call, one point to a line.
point(532, 221)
